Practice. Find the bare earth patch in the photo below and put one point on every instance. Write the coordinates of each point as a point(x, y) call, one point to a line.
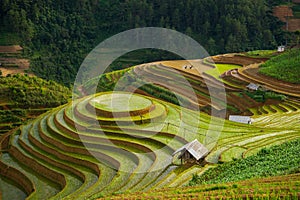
point(11, 49)
point(195, 67)
point(23, 64)
point(12, 65)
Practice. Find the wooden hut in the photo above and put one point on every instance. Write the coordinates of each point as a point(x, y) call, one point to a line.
point(192, 152)
point(253, 87)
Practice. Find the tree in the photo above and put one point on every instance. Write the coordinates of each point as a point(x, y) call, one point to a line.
point(297, 33)
point(232, 44)
point(211, 43)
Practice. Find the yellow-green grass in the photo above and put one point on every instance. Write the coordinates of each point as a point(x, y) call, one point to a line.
point(184, 177)
point(253, 149)
point(73, 182)
point(261, 53)
point(41, 183)
point(232, 153)
point(220, 69)
point(120, 102)
point(78, 163)
point(13, 190)
point(280, 187)
point(126, 164)
point(81, 110)
point(107, 173)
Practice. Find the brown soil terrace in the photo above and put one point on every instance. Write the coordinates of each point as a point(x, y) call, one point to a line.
point(285, 12)
point(11, 49)
point(252, 72)
point(240, 78)
point(236, 59)
point(19, 65)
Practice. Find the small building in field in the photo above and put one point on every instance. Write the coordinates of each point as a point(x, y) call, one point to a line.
point(253, 87)
point(281, 48)
point(192, 152)
point(241, 119)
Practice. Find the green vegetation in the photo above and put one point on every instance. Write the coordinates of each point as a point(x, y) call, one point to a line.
point(280, 187)
point(261, 53)
point(277, 160)
point(120, 102)
point(7, 38)
point(73, 152)
point(30, 92)
point(296, 10)
point(263, 96)
point(138, 154)
point(285, 67)
point(23, 97)
point(134, 153)
point(220, 69)
point(57, 35)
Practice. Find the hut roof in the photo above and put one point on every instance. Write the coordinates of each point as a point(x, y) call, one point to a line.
point(240, 119)
point(195, 148)
point(253, 86)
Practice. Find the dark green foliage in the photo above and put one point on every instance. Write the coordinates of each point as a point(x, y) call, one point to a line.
point(61, 33)
point(277, 2)
point(32, 92)
point(9, 116)
point(277, 160)
point(142, 56)
point(262, 96)
point(296, 10)
point(24, 97)
point(284, 67)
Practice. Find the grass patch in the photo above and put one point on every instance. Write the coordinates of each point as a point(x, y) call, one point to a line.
point(261, 53)
point(277, 160)
point(285, 67)
point(120, 102)
point(220, 69)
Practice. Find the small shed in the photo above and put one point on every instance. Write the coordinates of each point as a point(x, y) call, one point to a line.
point(281, 48)
point(253, 87)
point(241, 119)
point(193, 151)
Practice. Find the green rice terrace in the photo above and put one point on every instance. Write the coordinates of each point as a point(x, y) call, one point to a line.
point(119, 144)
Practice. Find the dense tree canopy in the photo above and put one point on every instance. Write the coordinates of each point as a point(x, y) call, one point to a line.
point(59, 34)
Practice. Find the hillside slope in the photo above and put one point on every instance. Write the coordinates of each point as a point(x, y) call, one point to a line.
point(108, 143)
point(59, 34)
point(23, 97)
point(225, 181)
point(285, 67)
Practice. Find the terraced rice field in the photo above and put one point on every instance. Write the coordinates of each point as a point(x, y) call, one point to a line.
point(83, 150)
point(120, 142)
point(281, 187)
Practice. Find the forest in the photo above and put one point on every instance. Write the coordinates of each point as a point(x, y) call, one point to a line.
point(57, 35)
